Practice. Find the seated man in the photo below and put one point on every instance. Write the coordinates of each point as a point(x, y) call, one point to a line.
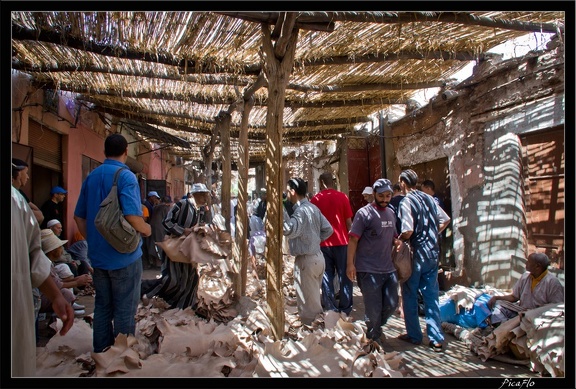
point(536, 287)
point(66, 258)
point(79, 252)
point(52, 247)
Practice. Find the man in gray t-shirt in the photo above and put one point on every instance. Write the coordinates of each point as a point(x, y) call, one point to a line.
point(372, 239)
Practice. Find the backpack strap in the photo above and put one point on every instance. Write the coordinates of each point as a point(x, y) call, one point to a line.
point(116, 176)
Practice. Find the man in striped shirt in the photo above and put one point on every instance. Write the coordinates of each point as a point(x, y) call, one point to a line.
point(422, 220)
point(180, 280)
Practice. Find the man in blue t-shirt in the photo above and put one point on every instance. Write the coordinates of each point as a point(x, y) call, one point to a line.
point(117, 276)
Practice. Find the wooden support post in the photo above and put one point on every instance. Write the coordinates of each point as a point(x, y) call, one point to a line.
point(279, 60)
point(241, 247)
point(223, 123)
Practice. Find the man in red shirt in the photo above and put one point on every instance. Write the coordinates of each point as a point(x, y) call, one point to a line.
point(335, 206)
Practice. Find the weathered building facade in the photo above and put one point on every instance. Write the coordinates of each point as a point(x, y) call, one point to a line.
point(502, 134)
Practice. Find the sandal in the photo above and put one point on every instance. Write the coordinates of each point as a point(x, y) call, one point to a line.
point(437, 347)
point(408, 339)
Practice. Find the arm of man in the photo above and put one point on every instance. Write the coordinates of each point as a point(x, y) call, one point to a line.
point(170, 222)
point(556, 292)
point(292, 225)
point(37, 212)
point(75, 282)
point(350, 258)
point(509, 297)
point(139, 225)
point(444, 219)
point(326, 228)
point(81, 224)
point(406, 220)
point(349, 223)
point(61, 307)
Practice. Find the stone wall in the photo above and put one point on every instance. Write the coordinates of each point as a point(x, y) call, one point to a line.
point(477, 127)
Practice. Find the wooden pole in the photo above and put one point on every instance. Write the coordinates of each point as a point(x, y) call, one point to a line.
point(241, 247)
point(279, 60)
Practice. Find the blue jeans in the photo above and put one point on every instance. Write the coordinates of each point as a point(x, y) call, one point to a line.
point(380, 294)
point(115, 304)
point(335, 258)
point(424, 277)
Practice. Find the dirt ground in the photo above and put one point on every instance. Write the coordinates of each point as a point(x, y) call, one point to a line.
point(418, 361)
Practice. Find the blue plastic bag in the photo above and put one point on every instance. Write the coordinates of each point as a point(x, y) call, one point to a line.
point(472, 318)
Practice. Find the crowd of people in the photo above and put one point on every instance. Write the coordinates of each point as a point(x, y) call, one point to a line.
point(332, 246)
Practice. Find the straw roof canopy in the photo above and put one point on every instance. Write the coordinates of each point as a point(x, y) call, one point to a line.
point(175, 72)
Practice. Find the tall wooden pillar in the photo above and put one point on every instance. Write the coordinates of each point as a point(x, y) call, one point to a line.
point(278, 63)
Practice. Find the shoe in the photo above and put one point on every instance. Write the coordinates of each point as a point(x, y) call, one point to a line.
point(79, 312)
point(406, 338)
point(77, 306)
point(437, 347)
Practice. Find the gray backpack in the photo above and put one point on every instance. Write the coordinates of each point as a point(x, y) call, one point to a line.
point(112, 225)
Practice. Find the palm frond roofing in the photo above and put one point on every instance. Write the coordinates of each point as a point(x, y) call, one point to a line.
point(177, 71)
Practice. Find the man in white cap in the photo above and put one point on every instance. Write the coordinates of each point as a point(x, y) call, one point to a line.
point(65, 258)
point(152, 199)
point(368, 194)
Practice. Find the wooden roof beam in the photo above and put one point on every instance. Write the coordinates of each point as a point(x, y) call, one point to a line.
point(61, 39)
point(297, 124)
point(342, 103)
point(213, 101)
point(82, 89)
point(143, 112)
point(465, 18)
point(135, 116)
point(366, 87)
point(204, 79)
point(186, 67)
point(272, 17)
point(315, 134)
point(225, 79)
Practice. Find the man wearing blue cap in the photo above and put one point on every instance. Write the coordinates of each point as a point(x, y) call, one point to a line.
point(372, 239)
point(52, 208)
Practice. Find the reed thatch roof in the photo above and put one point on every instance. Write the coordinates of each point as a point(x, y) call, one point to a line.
point(177, 71)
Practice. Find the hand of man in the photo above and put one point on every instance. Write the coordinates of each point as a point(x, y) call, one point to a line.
point(491, 302)
point(64, 310)
point(351, 272)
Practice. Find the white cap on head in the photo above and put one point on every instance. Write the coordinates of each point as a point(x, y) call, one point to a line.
point(199, 188)
point(368, 191)
point(52, 223)
point(153, 193)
